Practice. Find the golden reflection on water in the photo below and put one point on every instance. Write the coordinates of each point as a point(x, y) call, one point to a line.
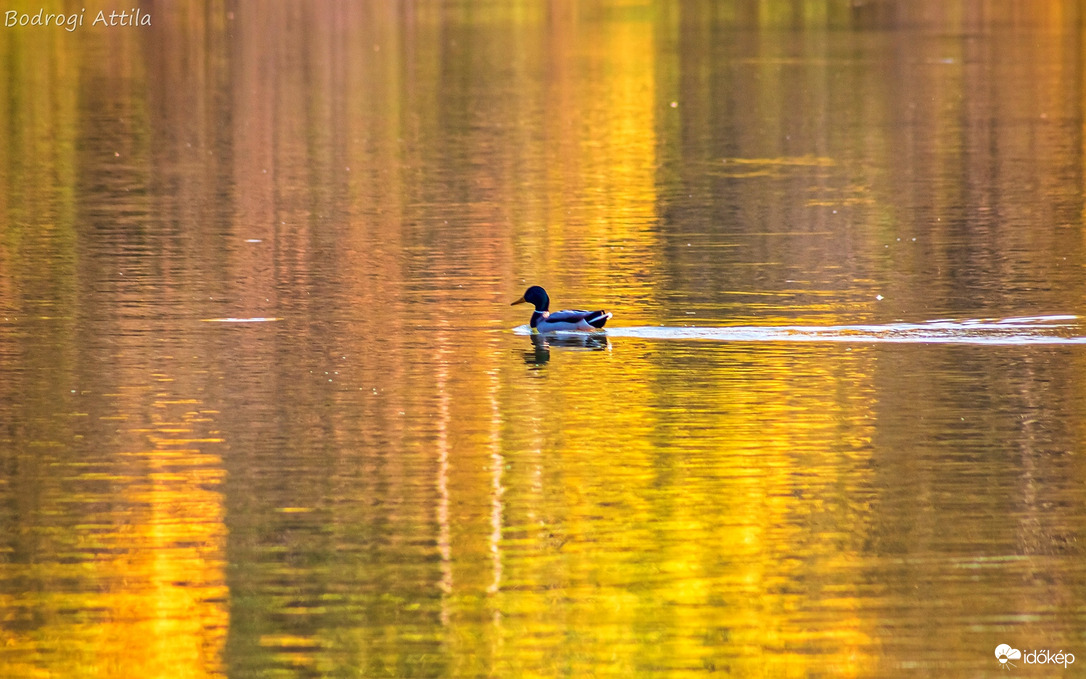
point(118, 569)
point(600, 169)
point(688, 522)
point(386, 481)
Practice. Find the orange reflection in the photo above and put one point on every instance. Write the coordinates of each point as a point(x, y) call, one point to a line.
point(650, 509)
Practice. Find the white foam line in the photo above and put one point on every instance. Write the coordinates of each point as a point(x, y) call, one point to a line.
point(839, 334)
point(258, 319)
point(1010, 331)
point(1040, 319)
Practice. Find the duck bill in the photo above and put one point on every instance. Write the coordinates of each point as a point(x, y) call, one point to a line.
point(519, 301)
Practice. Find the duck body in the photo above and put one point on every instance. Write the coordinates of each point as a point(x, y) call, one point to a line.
point(569, 320)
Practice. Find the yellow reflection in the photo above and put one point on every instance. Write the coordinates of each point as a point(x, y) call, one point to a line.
point(630, 538)
point(600, 172)
point(134, 585)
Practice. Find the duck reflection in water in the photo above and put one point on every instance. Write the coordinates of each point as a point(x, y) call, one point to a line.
point(542, 344)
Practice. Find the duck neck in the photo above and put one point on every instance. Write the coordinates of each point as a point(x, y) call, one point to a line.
point(537, 316)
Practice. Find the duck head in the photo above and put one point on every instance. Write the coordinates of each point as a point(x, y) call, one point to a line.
point(537, 296)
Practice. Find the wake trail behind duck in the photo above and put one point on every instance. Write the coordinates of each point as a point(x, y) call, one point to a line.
point(1053, 329)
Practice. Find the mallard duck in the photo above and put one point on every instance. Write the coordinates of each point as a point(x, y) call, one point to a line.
point(570, 320)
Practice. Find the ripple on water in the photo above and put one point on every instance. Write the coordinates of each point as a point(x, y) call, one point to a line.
point(1054, 329)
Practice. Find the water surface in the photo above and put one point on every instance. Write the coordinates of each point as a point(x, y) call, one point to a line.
point(263, 411)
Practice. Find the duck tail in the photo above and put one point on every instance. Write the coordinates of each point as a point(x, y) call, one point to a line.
point(597, 319)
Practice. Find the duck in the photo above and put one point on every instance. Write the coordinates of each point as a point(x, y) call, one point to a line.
point(570, 320)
